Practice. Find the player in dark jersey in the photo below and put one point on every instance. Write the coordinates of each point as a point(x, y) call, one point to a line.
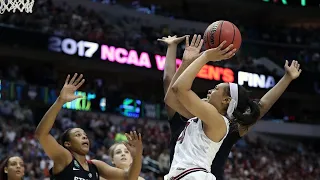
point(178, 115)
point(69, 158)
point(12, 168)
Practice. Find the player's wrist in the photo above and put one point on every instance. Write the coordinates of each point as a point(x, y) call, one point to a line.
point(287, 77)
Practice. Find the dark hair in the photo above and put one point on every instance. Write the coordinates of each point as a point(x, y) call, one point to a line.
point(247, 111)
point(65, 136)
point(3, 164)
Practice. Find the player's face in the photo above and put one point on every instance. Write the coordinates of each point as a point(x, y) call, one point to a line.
point(79, 141)
point(217, 96)
point(121, 157)
point(15, 168)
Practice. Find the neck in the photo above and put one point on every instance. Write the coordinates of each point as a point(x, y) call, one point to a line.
point(222, 111)
point(14, 178)
point(82, 159)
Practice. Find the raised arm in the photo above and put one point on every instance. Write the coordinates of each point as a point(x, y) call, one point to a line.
point(190, 54)
point(52, 148)
point(292, 72)
point(134, 145)
point(266, 102)
point(199, 108)
point(170, 65)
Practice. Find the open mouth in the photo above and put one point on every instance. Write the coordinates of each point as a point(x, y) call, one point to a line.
point(18, 171)
point(123, 159)
point(85, 144)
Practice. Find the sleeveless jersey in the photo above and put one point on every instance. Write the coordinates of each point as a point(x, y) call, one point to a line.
point(194, 148)
point(74, 171)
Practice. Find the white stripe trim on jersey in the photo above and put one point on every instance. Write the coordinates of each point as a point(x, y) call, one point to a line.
point(234, 99)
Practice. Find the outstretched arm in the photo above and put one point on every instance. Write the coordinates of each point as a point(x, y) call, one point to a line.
point(170, 65)
point(52, 148)
point(190, 54)
point(267, 101)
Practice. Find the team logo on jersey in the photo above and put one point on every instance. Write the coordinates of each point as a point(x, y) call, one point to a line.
point(76, 164)
point(90, 175)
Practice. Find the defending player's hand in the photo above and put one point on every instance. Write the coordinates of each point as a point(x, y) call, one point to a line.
point(293, 71)
point(192, 50)
point(218, 53)
point(172, 40)
point(134, 144)
point(69, 88)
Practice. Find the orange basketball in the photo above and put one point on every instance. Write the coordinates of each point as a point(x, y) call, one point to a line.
point(220, 31)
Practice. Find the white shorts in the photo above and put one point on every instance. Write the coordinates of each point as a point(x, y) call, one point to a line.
point(189, 174)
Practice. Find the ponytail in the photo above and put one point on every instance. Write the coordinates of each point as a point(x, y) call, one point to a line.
point(249, 116)
point(241, 108)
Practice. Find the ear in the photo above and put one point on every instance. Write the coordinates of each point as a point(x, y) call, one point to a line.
point(67, 144)
point(226, 100)
point(6, 170)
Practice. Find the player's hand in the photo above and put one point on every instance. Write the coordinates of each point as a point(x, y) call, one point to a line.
point(69, 88)
point(172, 40)
point(293, 71)
point(134, 144)
point(192, 50)
point(218, 54)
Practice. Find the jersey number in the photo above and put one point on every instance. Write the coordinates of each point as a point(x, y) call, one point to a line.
point(181, 137)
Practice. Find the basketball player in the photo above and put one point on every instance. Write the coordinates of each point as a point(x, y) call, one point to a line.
point(121, 157)
point(12, 168)
point(70, 157)
point(178, 114)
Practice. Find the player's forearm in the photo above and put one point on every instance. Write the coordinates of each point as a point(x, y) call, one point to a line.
point(267, 101)
point(185, 80)
point(48, 119)
point(169, 66)
point(135, 169)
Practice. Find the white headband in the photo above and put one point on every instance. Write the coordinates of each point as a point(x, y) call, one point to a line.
point(234, 99)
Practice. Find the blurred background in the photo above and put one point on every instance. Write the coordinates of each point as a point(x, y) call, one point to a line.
point(113, 43)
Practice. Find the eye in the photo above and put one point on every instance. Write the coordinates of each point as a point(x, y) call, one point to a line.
point(78, 135)
point(118, 152)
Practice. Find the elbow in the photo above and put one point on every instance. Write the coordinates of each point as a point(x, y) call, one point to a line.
point(176, 88)
point(38, 134)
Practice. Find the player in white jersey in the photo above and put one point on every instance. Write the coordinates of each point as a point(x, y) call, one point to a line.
point(203, 135)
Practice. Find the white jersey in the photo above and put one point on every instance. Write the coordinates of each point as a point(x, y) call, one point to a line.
point(194, 149)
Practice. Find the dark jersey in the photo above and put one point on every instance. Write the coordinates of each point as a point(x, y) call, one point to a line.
point(177, 124)
point(218, 164)
point(74, 171)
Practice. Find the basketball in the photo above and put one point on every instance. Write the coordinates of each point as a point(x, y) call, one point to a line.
point(220, 31)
